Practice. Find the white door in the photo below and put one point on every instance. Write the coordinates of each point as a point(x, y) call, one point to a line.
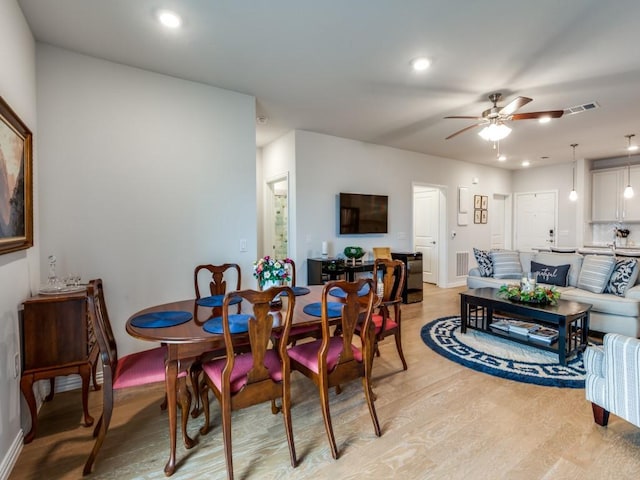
point(426, 206)
point(536, 220)
point(498, 222)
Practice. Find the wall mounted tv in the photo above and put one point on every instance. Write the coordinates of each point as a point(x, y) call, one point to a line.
point(363, 213)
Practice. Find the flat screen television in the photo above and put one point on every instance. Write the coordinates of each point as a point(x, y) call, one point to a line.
point(363, 213)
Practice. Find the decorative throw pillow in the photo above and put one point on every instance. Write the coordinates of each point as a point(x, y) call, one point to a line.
point(624, 275)
point(483, 257)
point(595, 273)
point(506, 264)
point(551, 274)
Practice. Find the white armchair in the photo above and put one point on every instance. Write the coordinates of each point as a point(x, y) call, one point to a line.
point(612, 384)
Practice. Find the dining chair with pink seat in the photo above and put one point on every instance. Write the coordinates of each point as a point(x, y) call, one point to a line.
point(133, 370)
point(334, 360)
point(392, 275)
point(245, 378)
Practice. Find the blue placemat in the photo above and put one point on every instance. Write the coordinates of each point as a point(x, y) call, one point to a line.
point(238, 323)
point(161, 319)
point(339, 293)
point(216, 301)
point(297, 291)
point(334, 309)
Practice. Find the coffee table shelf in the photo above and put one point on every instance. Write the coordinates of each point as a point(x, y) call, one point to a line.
point(480, 306)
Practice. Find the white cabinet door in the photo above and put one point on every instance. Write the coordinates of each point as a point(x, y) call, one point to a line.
point(632, 205)
point(606, 200)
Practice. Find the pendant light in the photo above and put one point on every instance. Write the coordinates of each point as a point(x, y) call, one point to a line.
point(573, 195)
point(628, 191)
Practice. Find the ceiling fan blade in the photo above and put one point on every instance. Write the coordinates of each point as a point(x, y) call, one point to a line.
point(465, 117)
point(464, 130)
point(514, 105)
point(530, 115)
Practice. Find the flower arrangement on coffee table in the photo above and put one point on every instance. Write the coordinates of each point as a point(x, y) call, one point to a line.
point(271, 270)
point(539, 295)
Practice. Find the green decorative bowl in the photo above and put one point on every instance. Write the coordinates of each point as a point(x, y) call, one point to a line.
point(354, 252)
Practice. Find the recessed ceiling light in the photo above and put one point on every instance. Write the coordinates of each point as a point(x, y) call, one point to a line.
point(526, 163)
point(502, 158)
point(420, 64)
point(632, 148)
point(169, 19)
point(544, 119)
point(262, 120)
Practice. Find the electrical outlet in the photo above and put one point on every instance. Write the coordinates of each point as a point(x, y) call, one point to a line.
point(243, 244)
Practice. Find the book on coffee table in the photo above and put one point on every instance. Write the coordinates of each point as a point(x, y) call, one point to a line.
point(523, 328)
point(544, 335)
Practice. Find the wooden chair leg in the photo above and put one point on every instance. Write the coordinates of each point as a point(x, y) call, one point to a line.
point(600, 415)
point(103, 423)
point(226, 432)
point(368, 393)
point(399, 347)
point(286, 413)
point(204, 398)
point(326, 415)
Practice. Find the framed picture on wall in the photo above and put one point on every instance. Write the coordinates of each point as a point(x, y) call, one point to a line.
point(477, 216)
point(16, 205)
point(483, 216)
point(477, 201)
point(484, 204)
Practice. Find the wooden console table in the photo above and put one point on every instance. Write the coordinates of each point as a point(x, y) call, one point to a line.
point(57, 339)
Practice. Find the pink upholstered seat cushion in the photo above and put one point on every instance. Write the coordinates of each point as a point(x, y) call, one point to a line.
point(141, 368)
point(307, 353)
point(241, 367)
point(377, 321)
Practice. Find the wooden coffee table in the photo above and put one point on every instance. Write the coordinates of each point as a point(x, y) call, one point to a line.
point(479, 305)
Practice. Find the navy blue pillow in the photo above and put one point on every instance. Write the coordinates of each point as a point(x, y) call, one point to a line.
point(551, 274)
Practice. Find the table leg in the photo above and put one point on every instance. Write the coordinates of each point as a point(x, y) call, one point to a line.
point(85, 374)
point(26, 385)
point(463, 314)
point(171, 376)
point(562, 341)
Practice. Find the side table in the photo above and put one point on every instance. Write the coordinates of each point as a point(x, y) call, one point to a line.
point(57, 339)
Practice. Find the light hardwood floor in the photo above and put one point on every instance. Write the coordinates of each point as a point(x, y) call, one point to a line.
point(439, 420)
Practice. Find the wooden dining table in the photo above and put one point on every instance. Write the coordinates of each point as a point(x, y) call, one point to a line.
point(187, 341)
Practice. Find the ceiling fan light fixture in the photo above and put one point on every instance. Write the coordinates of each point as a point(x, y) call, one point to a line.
point(494, 132)
point(420, 64)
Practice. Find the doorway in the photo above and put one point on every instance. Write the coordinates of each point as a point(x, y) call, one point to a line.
point(500, 222)
point(277, 219)
point(536, 220)
point(427, 205)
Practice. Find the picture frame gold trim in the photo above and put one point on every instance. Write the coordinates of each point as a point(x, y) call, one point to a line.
point(16, 181)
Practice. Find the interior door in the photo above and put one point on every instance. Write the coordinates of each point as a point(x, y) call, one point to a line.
point(498, 222)
point(536, 220)
point(426, 206)
point(278, 219)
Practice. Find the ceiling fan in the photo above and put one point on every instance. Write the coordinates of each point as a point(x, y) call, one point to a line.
point(494, 118)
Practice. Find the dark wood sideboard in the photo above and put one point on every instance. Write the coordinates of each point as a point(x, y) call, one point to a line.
point(56, 340)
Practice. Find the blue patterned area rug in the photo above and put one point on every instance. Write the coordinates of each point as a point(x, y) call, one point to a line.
point(500, 357)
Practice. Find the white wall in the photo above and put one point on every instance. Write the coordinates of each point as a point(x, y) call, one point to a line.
point(326, 166)
point(144, 176)
point(558, 178)
point(18, 270)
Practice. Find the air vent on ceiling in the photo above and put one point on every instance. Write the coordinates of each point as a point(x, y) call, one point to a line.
point(581, 108)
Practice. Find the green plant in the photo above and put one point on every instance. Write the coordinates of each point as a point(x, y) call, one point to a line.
point(541, 295)
point(354, 252)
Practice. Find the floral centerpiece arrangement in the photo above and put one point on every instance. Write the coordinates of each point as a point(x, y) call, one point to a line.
point(271, 271)
point(540, 295)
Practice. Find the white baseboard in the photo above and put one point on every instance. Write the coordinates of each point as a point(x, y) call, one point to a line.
point(11, 457)
point(457, 283)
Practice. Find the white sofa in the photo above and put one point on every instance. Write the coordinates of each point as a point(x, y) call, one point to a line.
point(610, 313)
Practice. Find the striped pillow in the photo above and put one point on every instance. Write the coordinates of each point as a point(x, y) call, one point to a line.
point(595, 273)
point(506, 264)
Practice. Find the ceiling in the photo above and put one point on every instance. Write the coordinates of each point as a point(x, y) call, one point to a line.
point(342, 67)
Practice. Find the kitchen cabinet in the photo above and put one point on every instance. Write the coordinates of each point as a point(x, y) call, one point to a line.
point(608, 202)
